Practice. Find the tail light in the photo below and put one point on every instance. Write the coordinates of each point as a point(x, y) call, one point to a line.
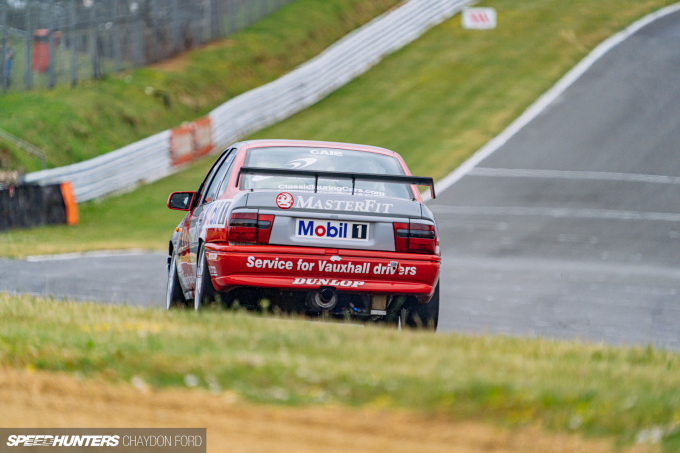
point(249, 228)
point(415, 237)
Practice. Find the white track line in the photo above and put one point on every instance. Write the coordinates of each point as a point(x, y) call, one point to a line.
point(547, 98)
point(558, 213)
point(96, 254)
point(573, 175)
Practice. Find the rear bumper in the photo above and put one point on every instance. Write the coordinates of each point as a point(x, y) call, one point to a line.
point(307, 268)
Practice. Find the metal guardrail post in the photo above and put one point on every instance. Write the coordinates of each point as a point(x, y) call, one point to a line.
point(25, 146)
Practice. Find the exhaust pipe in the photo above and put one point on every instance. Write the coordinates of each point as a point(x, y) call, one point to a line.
point(325, 299)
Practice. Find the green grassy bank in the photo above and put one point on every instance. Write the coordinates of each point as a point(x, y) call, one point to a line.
point(594, 390)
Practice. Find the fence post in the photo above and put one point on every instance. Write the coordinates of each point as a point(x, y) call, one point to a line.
point(215, 27)
point(50, 36)
point(175, 25)
point(74, 43)
point(153, 55)
point(29, 47)
point(3, 49)
point(94, 57)
point(202, 30)
point(115, 12)
point(138, 41)
point(252, 13)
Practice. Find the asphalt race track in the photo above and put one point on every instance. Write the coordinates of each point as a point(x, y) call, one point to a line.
point(135, 278)
point(571, 229)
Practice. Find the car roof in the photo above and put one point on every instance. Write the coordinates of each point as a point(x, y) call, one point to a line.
point(266, 143)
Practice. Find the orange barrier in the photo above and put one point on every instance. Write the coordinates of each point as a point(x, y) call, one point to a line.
point(181, 145)
point(202, 131)
point(190, 141)
point(69, 202)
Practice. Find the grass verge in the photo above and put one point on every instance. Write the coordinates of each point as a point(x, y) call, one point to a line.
point(435, 102)
point(631, 394)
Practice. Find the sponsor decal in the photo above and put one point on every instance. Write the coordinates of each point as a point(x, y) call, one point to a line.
point(331, 266)
point(347, 268)
point(301, 163)
point(217, 214)
point(330, 229)
point(284, 200)
point(346, 190)
point(368, 205)
point(328, 282)
point(326, 152)
point(269, 264)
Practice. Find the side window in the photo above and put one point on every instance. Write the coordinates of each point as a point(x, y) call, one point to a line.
point(225, 182)
point(212, 193)
point(205, 185)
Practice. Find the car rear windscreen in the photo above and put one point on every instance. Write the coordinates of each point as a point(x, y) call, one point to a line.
point(324, 159)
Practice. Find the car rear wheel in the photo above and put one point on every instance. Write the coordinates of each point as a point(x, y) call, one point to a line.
point(205, 291)
point(422, 316)
point(174, 296)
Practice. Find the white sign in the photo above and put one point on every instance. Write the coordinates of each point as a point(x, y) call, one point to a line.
point(479, 18)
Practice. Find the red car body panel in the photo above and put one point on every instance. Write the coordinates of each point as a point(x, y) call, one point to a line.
point(305, 268)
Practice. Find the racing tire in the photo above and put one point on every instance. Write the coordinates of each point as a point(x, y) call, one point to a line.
point(423, 316)
point(205, 291)
point(174, 295)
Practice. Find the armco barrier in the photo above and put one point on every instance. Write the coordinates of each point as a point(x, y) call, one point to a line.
point(140, 162)
point(161, 154)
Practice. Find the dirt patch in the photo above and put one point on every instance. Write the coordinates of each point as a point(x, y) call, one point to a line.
point(57, 400)
point(179, 62)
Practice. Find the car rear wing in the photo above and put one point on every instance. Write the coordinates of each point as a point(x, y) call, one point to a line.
point(401, 179)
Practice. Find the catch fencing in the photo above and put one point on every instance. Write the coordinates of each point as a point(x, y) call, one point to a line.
point(163, 153)
point(50, 42)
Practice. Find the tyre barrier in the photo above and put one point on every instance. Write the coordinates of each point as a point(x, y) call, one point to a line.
point(30, 205)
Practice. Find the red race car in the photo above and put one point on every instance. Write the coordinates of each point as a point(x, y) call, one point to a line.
point(317, 228)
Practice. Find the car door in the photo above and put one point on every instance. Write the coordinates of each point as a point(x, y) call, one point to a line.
point(193, 223)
